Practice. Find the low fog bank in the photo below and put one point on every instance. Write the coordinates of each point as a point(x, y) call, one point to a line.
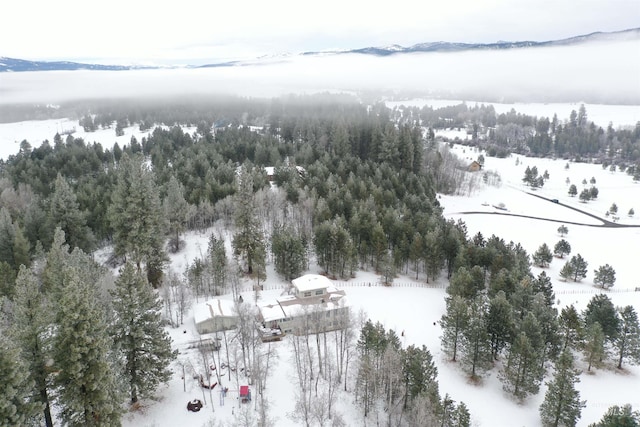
point(604, 73)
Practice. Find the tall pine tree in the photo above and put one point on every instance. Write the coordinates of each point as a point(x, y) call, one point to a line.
point(500, 323)
point(17, 408)
point(476, 358)
point(594, 351)
point(248, 240)
point(136, 218)
point(88, 393)
point(176, 211)
point(138, 334)
point(562, 405)
point(453, 324)
point(65, 213)
point(627, 342)
point(521, 375)
point(32, 315)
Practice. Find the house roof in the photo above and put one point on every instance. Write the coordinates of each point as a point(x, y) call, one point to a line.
point(271, 311)
point(214, 308)
point(310, 282)
point(290, 306)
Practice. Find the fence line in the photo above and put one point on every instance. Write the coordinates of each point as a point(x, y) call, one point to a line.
point(340, 285)
point(595, 291)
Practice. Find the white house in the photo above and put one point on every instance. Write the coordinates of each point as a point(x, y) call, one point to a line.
point(215, 315)
point(313, 305)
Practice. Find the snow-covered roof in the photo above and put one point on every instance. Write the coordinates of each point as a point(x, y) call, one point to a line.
point(213, 308)
point(301, 307)
point(310, 282)
point(271, 311)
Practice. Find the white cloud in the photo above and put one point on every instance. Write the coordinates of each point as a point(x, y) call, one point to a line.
point(149, 30)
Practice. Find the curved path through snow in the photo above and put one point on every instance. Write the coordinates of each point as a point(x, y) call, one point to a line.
point(605, 223)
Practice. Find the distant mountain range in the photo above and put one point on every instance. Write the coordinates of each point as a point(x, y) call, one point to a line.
point(18, 65)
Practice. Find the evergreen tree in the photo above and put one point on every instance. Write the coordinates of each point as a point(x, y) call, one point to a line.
point(7, 235)
point(176, 211)
point(585, 196)
point(65, 213)
point(136, 217)
point(139, 335)
point(500, 323)
point(88, 393)
point(570, 327)
point(7, 280)
point(528, 176)
point(416, 250)
point(521, 375)
point(573, 190)
point(521, 298)
point(476, 358)
point(453, 324)
point(600, 309)
point(562, 248)
point(379, 246)
point(627, 342)
point(55, 261)
point(334, 247)
point(31, 317)
point(465, 283)
point(248, 241)
point(563, 230)
point(433, 255)
point(604, 276)
point(579, 266)
point(547, 317)
point(594, 351)
point(542, 284)
point(17, 408)
point(567, 271)
point(420, 374)
point(218, 263)
point(617, 416)
point(20, 248)
point(542, 257)
point(289, 252)
point(453, 415)
point(562, 405)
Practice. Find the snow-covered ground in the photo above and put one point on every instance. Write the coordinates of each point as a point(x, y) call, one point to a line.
point(37, 131)
point(414, 310)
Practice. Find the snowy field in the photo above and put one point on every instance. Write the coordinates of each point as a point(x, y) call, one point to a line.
point(415, 309)
point(36, 131)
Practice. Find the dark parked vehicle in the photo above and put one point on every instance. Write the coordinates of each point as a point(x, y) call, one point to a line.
point(555, 200)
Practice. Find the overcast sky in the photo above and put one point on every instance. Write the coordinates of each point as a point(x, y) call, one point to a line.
point(196, 31)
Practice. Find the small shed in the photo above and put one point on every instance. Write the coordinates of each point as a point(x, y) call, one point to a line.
point(475, 166)
point(245, 394)
point(215, 315)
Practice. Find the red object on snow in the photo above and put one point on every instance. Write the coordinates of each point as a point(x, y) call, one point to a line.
point(244, 391)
